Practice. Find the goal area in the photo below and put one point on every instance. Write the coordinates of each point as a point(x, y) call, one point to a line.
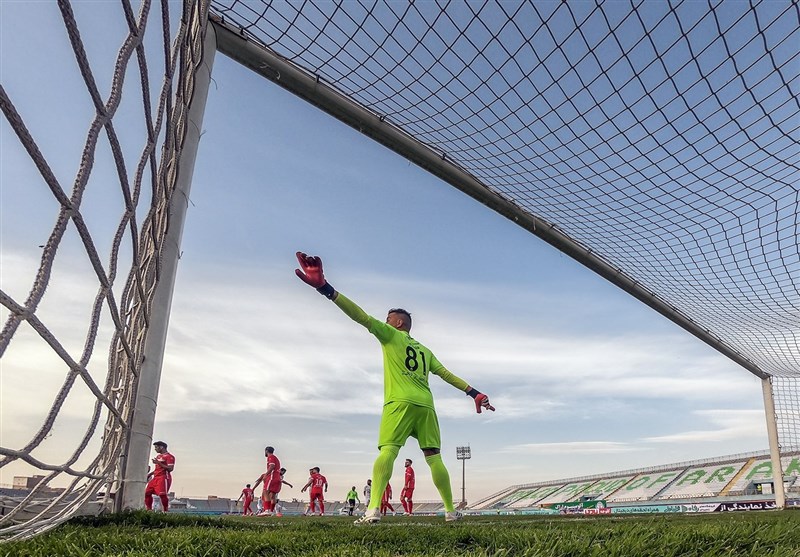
point(655, 143)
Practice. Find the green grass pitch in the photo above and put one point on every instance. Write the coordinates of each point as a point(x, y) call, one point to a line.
point(756, 534)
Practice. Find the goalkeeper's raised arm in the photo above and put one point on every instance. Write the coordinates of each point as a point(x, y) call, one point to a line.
point(408, 409)
point(403, 354)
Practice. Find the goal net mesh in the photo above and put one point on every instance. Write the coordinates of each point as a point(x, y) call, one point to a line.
point(660, 136)
point(787, 409)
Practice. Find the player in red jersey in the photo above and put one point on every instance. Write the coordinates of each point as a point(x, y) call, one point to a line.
point(272, 482)
point(408, 489)
point(385, 504)
point(247, 493)
point(317, 482)
point(160, 479)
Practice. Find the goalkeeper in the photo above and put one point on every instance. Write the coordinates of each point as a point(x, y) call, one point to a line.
point(408, 409)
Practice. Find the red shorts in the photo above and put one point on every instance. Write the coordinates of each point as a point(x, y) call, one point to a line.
point(159, 485)
point(407, 493)
point(275, 487)
point(317, 496)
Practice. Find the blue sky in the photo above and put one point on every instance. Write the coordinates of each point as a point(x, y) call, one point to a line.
point(585, 379)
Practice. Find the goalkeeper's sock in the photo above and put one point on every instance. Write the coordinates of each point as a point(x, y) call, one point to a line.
point(441, 479)
point(381, 473)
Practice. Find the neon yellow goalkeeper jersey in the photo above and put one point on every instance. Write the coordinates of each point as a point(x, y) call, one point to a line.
point(406, 362)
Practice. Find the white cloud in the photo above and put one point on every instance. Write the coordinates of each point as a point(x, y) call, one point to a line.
point(731, 424)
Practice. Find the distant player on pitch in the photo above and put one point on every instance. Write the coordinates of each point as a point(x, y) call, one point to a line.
point(317, 482)
point(367, 492)
point(352, 499)
point(386, 504)
point(272, 482)
point(408, 409)
point(408, 489)
point(247, 493)
point(160, 479)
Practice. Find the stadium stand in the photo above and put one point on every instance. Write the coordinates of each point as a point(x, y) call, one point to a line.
point(568, 492)
point(702, 481)
point(645, 486)
point(724, 479)
point(494, 498)
point(759, 469)
point(427, 507)
point(605, 487)
point(527, 498)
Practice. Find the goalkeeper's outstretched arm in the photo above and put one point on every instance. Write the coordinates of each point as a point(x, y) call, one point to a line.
point(312, 274)
point(481, 400)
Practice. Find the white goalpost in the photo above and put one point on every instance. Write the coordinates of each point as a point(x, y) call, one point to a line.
point(140, 436)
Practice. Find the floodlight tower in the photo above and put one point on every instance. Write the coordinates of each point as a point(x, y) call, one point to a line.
point(463, 454)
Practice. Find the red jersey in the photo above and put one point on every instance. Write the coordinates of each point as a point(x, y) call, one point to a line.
point(317, 482)
point(409, 478)
point(275, 475)
point(158, 471)
point(248, 493)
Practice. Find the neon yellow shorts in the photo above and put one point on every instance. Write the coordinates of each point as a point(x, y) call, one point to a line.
point(402, 420)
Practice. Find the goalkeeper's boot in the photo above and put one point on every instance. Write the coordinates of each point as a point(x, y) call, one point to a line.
point(372, 516)
point(453, 516)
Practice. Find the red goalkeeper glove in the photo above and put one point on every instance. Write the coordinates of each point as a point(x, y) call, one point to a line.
point(481, 400)
point(312, 274)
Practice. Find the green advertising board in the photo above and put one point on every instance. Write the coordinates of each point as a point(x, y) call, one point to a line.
point(577, 505)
